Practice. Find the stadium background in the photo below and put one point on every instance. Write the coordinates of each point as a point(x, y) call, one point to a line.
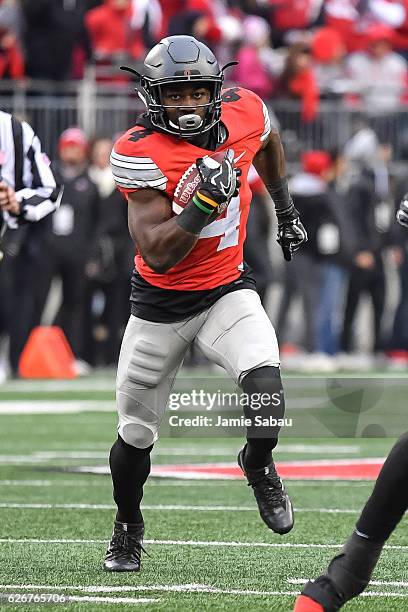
point(334, 77)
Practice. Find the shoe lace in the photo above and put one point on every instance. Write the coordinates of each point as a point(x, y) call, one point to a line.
point(124, 545)
point(269, 486)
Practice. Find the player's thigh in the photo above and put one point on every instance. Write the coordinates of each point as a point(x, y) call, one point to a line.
point(238, 334)
point(150, 355)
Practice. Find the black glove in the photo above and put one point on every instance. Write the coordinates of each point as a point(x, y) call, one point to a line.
point(402, 213)
point(221, 184)
point(291, 234)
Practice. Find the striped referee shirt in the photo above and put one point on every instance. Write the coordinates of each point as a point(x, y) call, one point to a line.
point(27, 170)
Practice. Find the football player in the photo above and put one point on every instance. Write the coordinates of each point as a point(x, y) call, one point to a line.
point(190, 281)
point(349, 572)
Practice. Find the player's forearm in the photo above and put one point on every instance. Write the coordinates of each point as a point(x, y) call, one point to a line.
point(164, 245)
point(270, 165)
point(270, 160)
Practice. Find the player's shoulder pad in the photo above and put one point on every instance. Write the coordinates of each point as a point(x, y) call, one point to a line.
point(133, 164)
point(253, 105)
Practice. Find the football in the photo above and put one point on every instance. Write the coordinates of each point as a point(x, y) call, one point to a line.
point(190, 181)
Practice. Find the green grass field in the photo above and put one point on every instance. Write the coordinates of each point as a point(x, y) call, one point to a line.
point(208, 549)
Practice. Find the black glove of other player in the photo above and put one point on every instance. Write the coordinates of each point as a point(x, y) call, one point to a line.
point(220, 184)
point(402, 213)
point(291, 234)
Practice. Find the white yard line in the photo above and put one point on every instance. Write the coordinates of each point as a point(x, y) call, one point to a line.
point(42, 506)
point(189, 543)
point(107, 482)
point(328, 481)
point(171, 588)
point(113, 600)
point(200, 451)
point(155, 482)
point(87, 599)
point(54, 483)
point(53, 407)
point(302, 449)
point(42, 457)
point(321, 449)
point(63, 386)
point(391, 583)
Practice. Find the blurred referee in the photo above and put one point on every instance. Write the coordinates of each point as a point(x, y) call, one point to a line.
point(27, 186)
point(28, 193)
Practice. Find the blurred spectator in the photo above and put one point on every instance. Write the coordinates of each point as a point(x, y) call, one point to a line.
point(109, 270)
point(378, 75)
point(170, 8)
point(123, 29)
point(329, 52)
point(71, 240)
point(258, 64)
point(298, 80)
point(147, 18)
point(367, 272)
point(53, 30)
point(193, 23)
point(353, 19)
point(321, 268)
point(213, 22)
point(335, 245)
point(391, 13)
point(210, 9)
point(401, 33)
point(256, 246)
point(11, 18)
point(291, 15)
point(11, 57)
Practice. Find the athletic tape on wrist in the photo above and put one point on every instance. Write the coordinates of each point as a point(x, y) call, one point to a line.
point(209, 201)
point(202, 206)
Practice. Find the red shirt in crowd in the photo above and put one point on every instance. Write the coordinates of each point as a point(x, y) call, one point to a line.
point(11, 57)
point(110, 30)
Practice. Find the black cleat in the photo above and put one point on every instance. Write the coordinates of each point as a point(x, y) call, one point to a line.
point(125, 548)
point(348, 574)
point(273, 502)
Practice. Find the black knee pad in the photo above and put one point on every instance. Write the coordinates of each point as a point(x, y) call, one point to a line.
point(131, 449)
point(266, 403)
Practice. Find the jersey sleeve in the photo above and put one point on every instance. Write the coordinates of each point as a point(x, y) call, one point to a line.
point(267, 122)
point(250, 105)
point(135, 169)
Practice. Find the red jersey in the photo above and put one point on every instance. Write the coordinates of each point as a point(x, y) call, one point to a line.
point(143, 158)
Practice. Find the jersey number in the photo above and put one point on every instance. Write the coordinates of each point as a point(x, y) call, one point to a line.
point(227, 227)
point(231, 95)
point(139, 134)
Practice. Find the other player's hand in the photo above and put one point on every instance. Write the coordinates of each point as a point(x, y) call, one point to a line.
point(402, 213)
point(220, 183)
point(291, 235)
point(8, 199)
